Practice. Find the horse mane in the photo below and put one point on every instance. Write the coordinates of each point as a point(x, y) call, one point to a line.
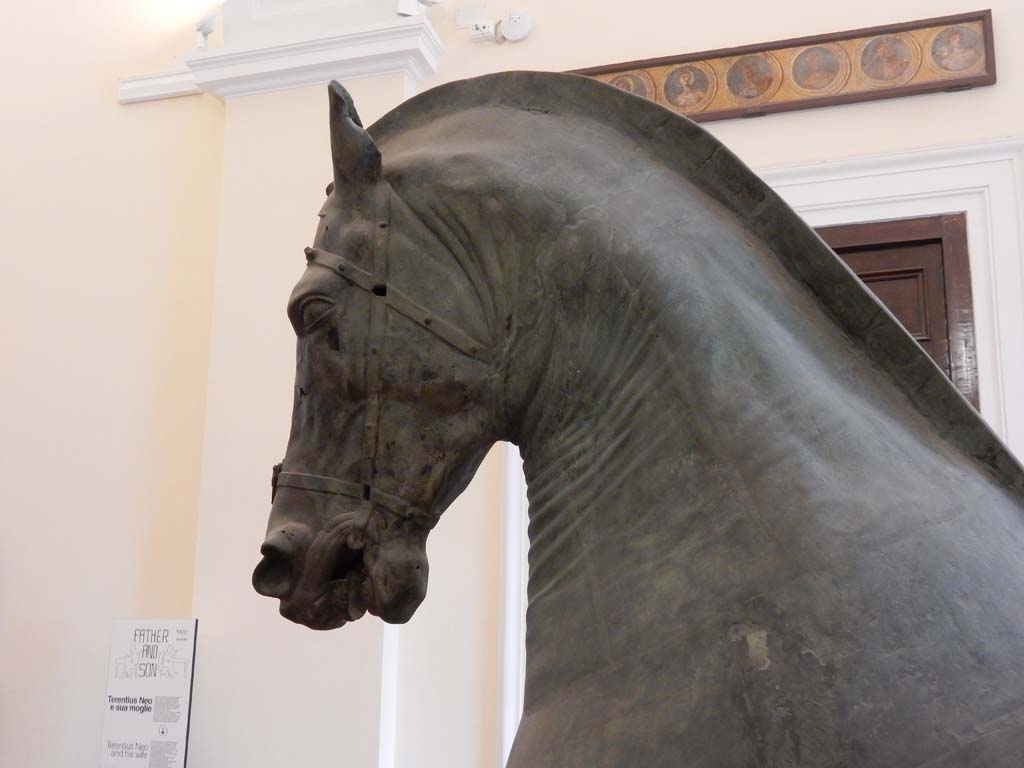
point(708, 164)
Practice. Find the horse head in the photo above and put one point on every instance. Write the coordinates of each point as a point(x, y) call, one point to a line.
point(394, 403)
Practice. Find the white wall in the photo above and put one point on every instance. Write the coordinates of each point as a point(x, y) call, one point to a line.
point(107, 234)
point(449, 656)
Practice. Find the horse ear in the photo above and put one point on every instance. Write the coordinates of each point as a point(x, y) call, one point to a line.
point(355, 156)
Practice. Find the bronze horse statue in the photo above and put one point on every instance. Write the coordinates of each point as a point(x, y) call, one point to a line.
point(765, 530)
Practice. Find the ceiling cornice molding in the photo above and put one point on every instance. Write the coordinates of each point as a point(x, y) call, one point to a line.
point(407, 45)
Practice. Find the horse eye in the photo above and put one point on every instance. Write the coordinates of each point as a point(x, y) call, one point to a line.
point(312, 311)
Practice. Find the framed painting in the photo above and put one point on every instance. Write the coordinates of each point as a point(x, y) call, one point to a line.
point(942, 54)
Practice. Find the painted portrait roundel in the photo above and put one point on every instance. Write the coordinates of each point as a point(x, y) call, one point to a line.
point(820, 70)
point(754, 78)
point(639, 83)
point(889, 59)
point(958, 50)
point(690, 87)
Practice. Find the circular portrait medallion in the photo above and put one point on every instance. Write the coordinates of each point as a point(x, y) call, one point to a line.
point(754, 78)
point(637, 83)
point(890, 59)
point(820, 69)
point(690, 87)
point(958, 49)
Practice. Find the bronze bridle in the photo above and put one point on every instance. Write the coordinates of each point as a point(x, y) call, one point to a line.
point(382, 297)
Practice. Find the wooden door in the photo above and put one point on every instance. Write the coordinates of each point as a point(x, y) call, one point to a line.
point(919, 269)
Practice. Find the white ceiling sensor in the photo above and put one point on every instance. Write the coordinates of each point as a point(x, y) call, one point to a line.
point(516, 26)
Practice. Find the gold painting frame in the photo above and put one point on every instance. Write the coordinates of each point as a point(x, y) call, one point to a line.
point(948, 53)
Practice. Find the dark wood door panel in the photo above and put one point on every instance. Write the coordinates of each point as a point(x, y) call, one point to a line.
point(909, 280)
point(919, 269)
point(903, 292)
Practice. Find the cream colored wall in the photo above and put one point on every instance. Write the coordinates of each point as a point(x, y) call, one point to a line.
point(108, 227)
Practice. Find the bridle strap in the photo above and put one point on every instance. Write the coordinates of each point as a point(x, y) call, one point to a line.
point(320, 484)
point(383, 296)
point(390, 296)
point(376, 334)
point(359, 492)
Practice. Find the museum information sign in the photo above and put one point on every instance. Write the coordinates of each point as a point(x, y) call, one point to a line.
point(149, 694)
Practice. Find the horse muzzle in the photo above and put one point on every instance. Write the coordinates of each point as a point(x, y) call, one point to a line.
point(320, 580)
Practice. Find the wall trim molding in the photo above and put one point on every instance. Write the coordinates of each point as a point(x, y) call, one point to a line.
point(406, 45)
point(167, 85)
point(984, 180)
point(515, 575)
point(409, 45)
point(387, 736)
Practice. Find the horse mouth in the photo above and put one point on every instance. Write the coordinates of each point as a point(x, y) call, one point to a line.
point(339, 598)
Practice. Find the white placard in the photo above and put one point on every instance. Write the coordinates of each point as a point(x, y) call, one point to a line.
point(149, 694)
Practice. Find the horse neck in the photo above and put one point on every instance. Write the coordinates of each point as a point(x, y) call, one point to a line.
point(673, 442)
point(601, 441)
point(615, 418)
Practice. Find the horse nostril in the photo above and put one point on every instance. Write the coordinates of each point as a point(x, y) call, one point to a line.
point(273, 576)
